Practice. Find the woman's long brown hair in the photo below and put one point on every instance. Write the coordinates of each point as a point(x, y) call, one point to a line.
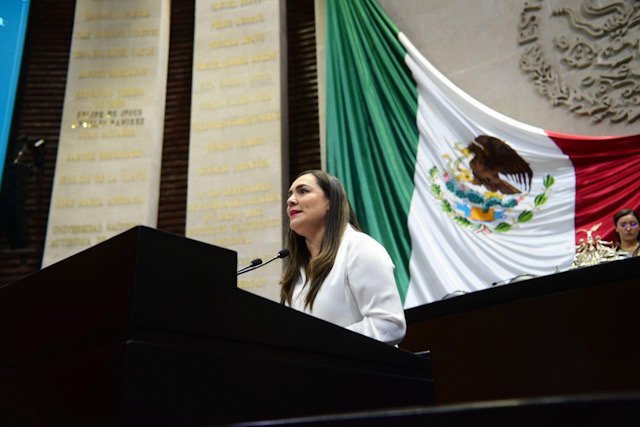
point(338, 216)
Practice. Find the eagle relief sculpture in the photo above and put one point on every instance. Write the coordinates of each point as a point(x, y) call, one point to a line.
point(486, 186)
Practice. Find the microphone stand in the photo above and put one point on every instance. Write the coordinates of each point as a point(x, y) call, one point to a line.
point(281, 254)
point(253, 264)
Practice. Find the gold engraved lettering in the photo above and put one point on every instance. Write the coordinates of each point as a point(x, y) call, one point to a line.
point(233, 203)
point(213, 170)
point(244, 100)
point(214, 192)
point(207, 86)
point(222, 216)
point(227, 145)
point(90, 202)
point(65, 203)
point(261, 77)
point(87, 124)
point(244, 189)
point(252, 164)
point(138, 176)
point(254, 38)
point(120, 154)
point(145, 32)
point(115, 73)
point(256, 225)
point(215, 65)
point(264, 57)
point(101, 53)
point(129, 72)
point(237, 121)
point(87, 134)
point(223, 23)
point(130, 91)
point(227, 4)
point(254, 213)
point(232, 241)
point(134, 14)
point(113, 15)
point(143, 51)
point(70, 241)
point(95, 16)
point(112, 103)
point(217, 44)
point(253, 19)
point(92, 74)
point(235, 190)
point(97, 93)
point(125, 200)
point(211, 105)
point(120, 226)
point(127, 122)
point(77, 229)
point(119, 133)
point(84, 156)
point(110, 34)
point(89, 114)
point(232, 42)
point(233, 81)
point(79, 179)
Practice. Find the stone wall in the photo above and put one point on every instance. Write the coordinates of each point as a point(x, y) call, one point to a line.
point(480, 44)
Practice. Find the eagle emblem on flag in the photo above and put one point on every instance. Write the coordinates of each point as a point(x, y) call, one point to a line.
point(486, 187)
point(492, 157)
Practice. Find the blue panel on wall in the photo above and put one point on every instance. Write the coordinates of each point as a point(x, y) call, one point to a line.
point(13, 26)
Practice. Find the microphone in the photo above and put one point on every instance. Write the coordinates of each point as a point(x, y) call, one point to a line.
point(283, 253)
point(256, 262)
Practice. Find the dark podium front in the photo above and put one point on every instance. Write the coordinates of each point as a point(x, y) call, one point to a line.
point(574, 332)
point(149, 328)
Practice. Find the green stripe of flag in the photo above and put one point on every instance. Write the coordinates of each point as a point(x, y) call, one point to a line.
point(372, 136)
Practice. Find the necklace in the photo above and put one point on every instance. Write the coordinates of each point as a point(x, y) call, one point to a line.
point(633, 251)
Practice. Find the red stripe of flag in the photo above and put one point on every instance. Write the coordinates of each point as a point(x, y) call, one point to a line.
point(607, 171)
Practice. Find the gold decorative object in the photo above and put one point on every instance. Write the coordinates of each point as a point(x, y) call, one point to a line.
point(594, 250)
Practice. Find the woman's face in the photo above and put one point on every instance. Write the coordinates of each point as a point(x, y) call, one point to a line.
point(627, 228)
point(307, 206)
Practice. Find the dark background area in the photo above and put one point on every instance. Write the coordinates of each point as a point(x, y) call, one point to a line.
point(38, 114)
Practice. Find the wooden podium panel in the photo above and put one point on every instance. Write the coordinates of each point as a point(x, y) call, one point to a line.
point(557, 411)
point(149, 328)
point(568, 333)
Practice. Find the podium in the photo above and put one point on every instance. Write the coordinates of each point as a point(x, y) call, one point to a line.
point(563, 334)
point(149, 328)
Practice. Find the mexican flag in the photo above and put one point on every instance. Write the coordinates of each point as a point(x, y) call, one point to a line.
point(461, 196)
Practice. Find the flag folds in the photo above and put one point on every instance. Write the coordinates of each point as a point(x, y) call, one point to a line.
point(461, 196)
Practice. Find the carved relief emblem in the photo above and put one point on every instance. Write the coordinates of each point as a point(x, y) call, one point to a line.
point(598, 71)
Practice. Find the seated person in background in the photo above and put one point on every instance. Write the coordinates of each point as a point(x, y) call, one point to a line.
point(626, 222)
point(335, 272)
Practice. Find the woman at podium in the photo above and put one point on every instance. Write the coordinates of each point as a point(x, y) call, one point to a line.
point(336, 272)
